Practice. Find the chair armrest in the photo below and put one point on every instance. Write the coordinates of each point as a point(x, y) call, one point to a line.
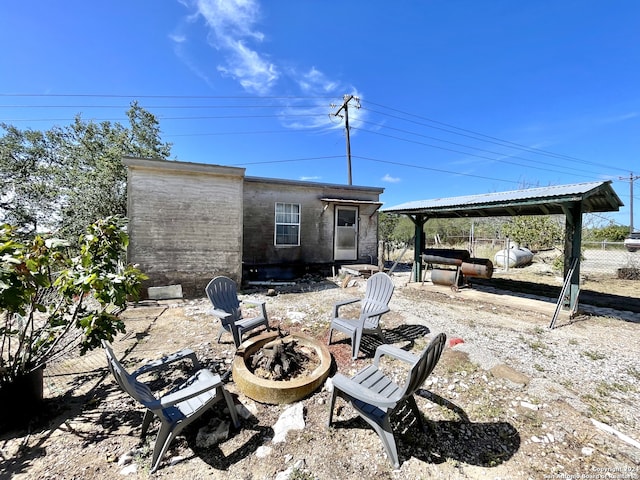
point(257, 303)
point(201, 382)
point(358, 392)
point(337, 305)
point(221, 314)
point(164, 362)
point(251, 301)
point(396, 353)
point(375, 313)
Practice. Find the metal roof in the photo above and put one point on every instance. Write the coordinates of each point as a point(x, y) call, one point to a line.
point(594, 196)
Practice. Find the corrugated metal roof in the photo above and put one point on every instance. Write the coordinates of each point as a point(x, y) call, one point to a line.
point(595, 197)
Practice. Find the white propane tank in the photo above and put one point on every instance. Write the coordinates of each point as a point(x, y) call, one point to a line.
point(515, 256)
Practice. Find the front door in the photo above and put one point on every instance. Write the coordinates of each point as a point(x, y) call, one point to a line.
point(346, 234)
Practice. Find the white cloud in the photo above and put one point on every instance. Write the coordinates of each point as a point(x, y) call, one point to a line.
point(309, 179)
point(315, 81)
point(239, 44)
point(233, 33)
point(254, 73)
point(178, 38)
point(389, 179)
point(180, 41)
point(322, 115)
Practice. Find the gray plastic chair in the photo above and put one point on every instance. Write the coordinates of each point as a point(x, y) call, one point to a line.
point(223, 294)
point(375, 396)
point(180, 406)
point(374, 304)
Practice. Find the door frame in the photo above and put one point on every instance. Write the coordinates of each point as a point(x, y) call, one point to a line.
point(341, 253)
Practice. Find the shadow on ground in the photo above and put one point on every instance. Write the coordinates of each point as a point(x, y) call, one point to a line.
point(484, 444)
point(552, 292)
point(402, 334)
point(54, 415)
point(246, 440)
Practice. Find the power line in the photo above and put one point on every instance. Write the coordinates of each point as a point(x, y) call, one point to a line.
point(161, 107)
point(222, 134)
point(482, 136)
point(439, 170)
point(457, 130)
point(307, 115)
point(94, 95)
point(483, 157)
point(465, 146)
point(200, 117)
point(415, 119)
point(285, 161)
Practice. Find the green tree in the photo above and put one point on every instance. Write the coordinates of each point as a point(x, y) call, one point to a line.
point(404, 231)
point(29, 169)
point(611, 233)
point(66, 178)
point(534, 232)
point(386, 225)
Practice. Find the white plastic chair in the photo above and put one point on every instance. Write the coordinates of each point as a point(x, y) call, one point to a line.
point(374, 304)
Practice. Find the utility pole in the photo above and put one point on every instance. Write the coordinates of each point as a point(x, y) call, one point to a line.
point(345, 107)
point(632, 178)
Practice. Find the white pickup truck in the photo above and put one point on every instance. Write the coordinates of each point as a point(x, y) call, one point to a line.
point(632, 242)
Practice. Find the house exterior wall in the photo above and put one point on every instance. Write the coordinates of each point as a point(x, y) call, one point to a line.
point(189, 222)
point(316, 222)
point(185, 222)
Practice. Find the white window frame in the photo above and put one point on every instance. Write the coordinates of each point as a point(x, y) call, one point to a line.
point(292, 219)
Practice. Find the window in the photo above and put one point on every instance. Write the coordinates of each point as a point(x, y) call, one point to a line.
point(287, 224)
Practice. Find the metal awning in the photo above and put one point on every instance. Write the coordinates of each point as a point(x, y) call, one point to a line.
point(552, 200)
point(351, 201)
point(572, 201)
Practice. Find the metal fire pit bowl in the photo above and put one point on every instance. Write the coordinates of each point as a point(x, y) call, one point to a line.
point(278, 391)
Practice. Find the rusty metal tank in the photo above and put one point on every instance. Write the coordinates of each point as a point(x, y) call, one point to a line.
point(443, 276)
point(477, 267)
point(445, 256)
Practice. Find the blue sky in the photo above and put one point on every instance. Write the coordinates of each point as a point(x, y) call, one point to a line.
point(456, 97)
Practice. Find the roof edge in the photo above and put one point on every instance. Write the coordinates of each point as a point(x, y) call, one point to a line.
point(187, 167)
point(304, 183)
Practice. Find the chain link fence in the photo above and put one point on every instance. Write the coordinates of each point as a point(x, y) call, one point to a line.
point(607, 258)
point(603, 259)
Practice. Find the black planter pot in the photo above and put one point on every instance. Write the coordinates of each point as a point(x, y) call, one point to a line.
point(21, 399)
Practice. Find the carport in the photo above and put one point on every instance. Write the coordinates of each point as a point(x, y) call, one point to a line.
point(572, 201)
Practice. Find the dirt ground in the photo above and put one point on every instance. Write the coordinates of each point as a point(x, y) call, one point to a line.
point(510, 397)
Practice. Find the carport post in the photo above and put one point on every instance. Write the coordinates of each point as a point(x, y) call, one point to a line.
point(572, 250)
point(418, 221)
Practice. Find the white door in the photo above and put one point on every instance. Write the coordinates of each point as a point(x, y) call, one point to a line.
point(346, 233)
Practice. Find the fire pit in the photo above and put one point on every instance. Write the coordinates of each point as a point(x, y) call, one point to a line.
point(266, 390)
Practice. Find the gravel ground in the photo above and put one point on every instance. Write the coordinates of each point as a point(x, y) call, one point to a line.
point(510, 398)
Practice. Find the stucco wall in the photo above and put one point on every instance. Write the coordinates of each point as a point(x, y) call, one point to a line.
point(317, 220)
point(185, 222)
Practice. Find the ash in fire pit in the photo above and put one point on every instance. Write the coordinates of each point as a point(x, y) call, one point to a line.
point(283, 360)
point(312, 368)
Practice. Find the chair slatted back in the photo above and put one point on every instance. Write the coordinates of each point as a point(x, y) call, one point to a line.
point(429, 358)
point(377, 293)
point(137, 390)
point(223, 294)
